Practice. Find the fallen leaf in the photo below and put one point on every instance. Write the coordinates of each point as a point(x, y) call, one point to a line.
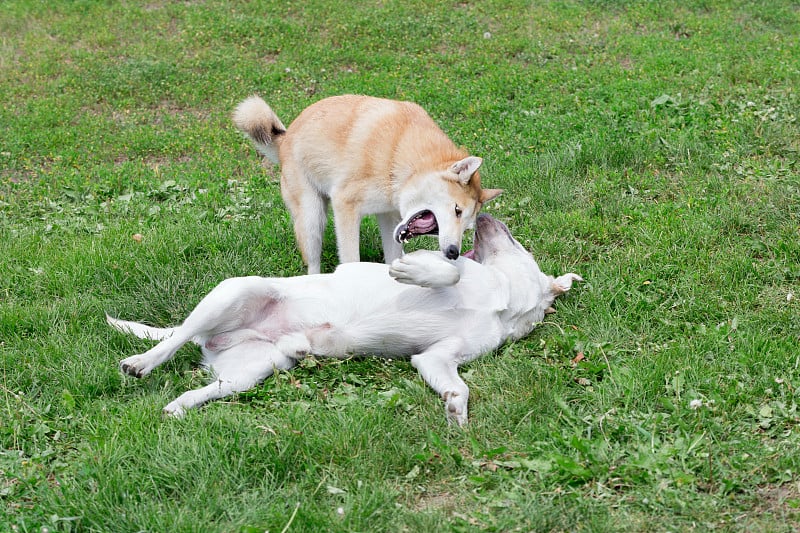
point(414, 472)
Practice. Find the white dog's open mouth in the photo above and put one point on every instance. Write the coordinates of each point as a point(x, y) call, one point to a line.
point(422, 223)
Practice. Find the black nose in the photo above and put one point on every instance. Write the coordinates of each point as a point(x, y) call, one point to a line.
point(451, 252)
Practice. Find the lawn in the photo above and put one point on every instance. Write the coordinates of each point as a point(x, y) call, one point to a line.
point(651, 147)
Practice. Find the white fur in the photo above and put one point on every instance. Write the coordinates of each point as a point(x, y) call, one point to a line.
point(438, 313)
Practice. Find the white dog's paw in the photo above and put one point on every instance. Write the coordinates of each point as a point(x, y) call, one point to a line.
point(135, 366)
point(294, 345)
point(455, 406)
point(425, 269)
point(174, 410)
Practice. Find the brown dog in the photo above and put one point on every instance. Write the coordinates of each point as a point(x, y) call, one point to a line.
point(366, 155)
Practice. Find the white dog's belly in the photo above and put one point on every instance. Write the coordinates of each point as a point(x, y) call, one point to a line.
point(391, 334)
point(360, 310)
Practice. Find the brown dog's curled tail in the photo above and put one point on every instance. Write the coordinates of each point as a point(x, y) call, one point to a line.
point(260, 123)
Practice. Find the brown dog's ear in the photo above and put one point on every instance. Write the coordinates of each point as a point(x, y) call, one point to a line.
point(490, 194)
point(466, 168)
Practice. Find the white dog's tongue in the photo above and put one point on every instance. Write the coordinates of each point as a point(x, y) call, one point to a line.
point(469, 254)
point(423, 224)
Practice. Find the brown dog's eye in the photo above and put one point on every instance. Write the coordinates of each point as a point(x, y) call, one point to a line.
point(458, 212)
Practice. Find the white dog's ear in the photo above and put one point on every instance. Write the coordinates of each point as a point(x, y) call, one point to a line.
point(562, 284)
point(465, 168)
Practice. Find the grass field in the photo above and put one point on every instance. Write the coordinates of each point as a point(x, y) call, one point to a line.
point(651, 147)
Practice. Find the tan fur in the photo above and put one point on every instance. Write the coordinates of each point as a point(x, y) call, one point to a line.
point(365, 155)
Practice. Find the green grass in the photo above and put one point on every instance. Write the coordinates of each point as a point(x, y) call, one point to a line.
point(650, 146)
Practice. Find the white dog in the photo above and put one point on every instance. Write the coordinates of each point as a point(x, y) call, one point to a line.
point(439, 313)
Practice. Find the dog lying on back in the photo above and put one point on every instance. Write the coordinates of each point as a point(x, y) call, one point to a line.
point(438, 313)
point(363, 156)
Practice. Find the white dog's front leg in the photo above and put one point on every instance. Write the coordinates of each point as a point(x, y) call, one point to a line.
point(439, 369)
point(426, 269)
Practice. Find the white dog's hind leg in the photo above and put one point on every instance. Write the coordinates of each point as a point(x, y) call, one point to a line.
point(439, 369)
point(426, 269)
point(194, 398)
point(237, 369)
point(224, 309)
point(294, 345)
point(142, 364)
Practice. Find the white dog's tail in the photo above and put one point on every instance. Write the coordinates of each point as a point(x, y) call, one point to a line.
point(140, 330)
point(260, 123)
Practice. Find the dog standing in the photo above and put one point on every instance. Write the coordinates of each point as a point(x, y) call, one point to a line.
point(365, 155)
point(438, 313)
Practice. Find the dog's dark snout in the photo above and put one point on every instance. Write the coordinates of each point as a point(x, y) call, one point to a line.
point(451, 252)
